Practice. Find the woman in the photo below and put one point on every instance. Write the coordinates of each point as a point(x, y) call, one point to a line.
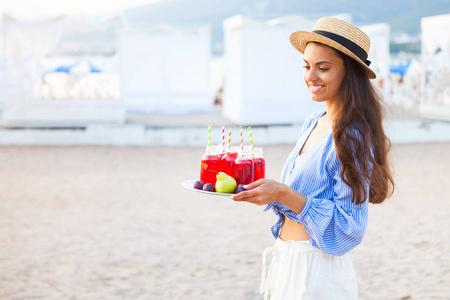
point(338, 166)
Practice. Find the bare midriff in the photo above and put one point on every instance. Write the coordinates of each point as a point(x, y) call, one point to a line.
point(293, 231)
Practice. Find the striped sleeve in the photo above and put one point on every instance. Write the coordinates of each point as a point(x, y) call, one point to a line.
point(335, 225)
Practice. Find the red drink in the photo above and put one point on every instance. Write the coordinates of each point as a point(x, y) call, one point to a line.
point(228, 159)
point(260, 164)
point(260, 168)
point(210, 161)
point(244, 171)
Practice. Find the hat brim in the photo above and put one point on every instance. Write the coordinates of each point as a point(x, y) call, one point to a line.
point(299, 39)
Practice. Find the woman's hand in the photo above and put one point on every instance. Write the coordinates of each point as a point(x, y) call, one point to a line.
point(261, 192)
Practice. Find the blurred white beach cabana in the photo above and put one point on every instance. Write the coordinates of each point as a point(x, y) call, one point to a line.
point(379, 56)
point(165, 68)
point(435, 101)
point(263, 72)
point(37, 95)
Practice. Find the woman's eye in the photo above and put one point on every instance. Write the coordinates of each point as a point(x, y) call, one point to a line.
point(306, 67)
point(323, 69)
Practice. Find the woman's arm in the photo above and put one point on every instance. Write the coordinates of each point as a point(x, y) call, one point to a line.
point(265, 191)
point(336, 225)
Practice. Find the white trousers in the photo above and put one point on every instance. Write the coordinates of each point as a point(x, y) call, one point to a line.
point(300, 271)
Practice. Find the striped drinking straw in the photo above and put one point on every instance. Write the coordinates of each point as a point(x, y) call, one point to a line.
point(223, 137)
point(209, 138)
point(241, 139)
point(251, 140)
point(229, 138)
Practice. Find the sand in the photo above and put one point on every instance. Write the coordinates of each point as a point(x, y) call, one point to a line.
point(115, 223)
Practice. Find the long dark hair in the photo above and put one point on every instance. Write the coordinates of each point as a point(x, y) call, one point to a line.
point(360, 138)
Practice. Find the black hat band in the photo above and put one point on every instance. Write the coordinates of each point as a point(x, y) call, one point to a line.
point(353, 47)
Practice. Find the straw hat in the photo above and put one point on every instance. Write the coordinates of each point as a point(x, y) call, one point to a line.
point(339, 35)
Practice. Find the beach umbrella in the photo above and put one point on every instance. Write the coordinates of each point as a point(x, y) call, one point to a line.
point(400, 68)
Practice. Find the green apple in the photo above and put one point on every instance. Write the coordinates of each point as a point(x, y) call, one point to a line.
point(225, 183)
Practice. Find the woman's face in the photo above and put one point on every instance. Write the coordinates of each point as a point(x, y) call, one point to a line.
point(324, 72)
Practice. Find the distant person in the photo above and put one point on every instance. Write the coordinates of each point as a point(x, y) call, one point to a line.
point(337, 167)
point(219, 96)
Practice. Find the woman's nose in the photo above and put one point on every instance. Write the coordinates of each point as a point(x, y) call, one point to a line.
point(310, 75)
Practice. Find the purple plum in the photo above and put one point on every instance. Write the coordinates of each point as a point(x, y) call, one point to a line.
point(198, 185)
point(209, 187)
point(239, 188)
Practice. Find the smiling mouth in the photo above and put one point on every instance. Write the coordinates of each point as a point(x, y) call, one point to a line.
point(315, 88)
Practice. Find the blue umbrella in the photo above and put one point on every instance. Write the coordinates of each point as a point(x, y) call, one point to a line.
point(400, 69)
point(66, 68)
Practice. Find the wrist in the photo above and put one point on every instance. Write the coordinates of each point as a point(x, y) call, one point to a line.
point(292, 199)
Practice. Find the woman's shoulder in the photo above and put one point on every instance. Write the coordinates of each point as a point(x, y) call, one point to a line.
point(317, 114)
point(312, 118)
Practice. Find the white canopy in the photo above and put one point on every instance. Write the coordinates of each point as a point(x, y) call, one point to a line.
point(379, 56)
point(165, 68)
point(25, 44)
point(435, 102)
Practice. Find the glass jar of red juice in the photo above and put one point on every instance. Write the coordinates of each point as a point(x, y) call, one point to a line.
point(260, 164)
point(228, 160)
point(210, 162)
point(244, 167)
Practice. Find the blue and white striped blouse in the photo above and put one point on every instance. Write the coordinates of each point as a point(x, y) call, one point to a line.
point(334, 223)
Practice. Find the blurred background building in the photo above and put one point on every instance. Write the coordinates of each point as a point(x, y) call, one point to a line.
point(232, 58)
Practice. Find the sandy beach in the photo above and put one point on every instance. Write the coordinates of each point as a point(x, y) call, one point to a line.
point(115, 223)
